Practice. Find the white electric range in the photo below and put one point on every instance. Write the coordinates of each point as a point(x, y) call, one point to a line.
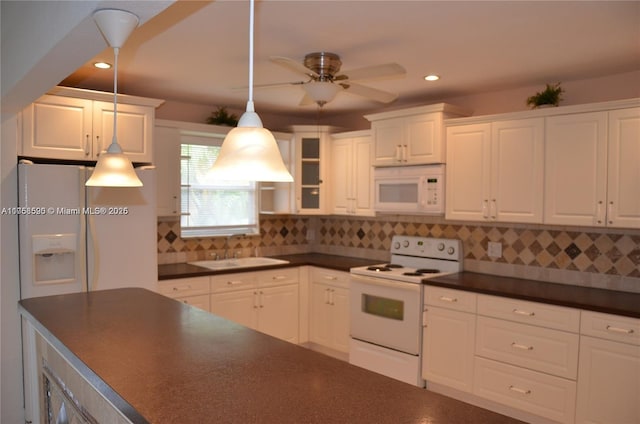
point(386, 303)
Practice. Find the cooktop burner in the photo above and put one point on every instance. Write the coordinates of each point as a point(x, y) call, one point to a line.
point(394, 266)
point(412, 274)
point(379, 268)
point(428, 271)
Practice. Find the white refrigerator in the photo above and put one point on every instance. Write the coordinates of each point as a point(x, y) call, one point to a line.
point(75, 238)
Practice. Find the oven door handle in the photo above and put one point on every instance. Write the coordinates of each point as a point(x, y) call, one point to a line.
point(396, 285)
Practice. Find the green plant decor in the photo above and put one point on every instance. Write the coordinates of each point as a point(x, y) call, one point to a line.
point(549, 96)
point(222, 117)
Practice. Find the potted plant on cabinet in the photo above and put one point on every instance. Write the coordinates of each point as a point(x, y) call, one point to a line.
point(550, 96)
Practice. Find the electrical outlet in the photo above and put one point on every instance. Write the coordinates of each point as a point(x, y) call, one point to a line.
point(311, 235)
point(494, 249)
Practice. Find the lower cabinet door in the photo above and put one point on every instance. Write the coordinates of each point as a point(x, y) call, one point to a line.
point(534, 392)
point(200, 301)
point(239, 306)
point(339, 302)
point(447, 348)
point(278, 312)
point(608, 382)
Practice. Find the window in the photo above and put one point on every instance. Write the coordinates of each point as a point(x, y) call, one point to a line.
point(208, 207)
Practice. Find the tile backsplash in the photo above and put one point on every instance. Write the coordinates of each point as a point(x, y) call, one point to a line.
point(595, 257)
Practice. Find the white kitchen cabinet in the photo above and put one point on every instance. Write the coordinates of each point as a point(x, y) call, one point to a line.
point(266, 301)
point(278, 197)
point(329, 309)
point(609, 371)
point(411, 136)
point(592, 169)
point(166, 153)
point(311, 147)
point(495, 171)
point(448, 340)
point(192, 291)
point(351, 173)
point(78, 125)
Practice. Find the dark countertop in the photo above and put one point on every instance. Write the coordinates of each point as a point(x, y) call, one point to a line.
point(161, 361)
point(599, 300)
point(339, 263)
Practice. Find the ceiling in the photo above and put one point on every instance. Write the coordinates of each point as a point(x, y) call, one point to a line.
point(197, 51)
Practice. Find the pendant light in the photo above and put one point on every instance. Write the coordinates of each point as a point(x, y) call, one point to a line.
point(114, 169)
point(249, 152)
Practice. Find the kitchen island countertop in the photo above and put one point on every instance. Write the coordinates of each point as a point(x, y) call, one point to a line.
point(162, 361)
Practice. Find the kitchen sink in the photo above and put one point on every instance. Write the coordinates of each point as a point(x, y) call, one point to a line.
point(239, 263)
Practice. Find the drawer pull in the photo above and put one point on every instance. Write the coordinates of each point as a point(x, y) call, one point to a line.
point(234, 283)
point(448, 299)
point(279, 277)
point(619, 330)
point(525, 313)
point(330, 277)
point(519, 390)
point(181, 288)
point(521, 346)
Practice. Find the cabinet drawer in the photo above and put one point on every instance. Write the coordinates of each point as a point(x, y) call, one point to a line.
point(278, 277)
point(611, 327)
point(550, 351)
point(450, 299)
point(534, 392)
point(233, 282)
point(328, 276)
point(200, 301)
point(183, 287)
point(550, 316)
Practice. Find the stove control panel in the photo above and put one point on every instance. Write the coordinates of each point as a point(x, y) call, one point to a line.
point(427, 247)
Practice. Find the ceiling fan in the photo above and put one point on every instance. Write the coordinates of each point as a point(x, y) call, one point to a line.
point(324, 79)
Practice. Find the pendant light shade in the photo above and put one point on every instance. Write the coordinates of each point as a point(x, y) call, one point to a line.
point(114, 169)
point(249, 152)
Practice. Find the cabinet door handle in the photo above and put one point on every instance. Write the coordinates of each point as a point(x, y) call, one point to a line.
point(523, 313)
point(99, 145)
point(599, 215)
point(619, 330)
point(519, 390)
point(448, 299)
point(404, 153)
point(87, 145)
point(398, 153)
point(485, 208)
point(610, 213)
point(493, 209)
point(255, 300)
point(521, 346)
point(260, 293)
point(331, 297)
point(326, 296)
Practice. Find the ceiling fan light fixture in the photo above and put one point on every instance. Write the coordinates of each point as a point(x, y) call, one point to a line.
point(321, 92)
point(250, 152)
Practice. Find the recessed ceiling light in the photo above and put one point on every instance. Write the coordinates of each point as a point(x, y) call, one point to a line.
point(102, 65)
point(432, 78)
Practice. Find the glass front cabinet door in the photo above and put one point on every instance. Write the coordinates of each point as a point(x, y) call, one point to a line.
point(312, 161)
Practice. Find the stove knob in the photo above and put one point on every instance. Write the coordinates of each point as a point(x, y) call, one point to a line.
point(441, 246)
point(451, 250)
point(396, 245)
point(405, 243)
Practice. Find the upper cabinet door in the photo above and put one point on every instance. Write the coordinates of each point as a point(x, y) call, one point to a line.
point(468, 172)
point(517, 170)
point(623, 194)
point(424, 139)
point(576, 169)
point(135, 128)
point(58, 127)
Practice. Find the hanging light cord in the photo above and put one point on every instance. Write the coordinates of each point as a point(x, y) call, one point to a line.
point(114, 139)
point(250, 107)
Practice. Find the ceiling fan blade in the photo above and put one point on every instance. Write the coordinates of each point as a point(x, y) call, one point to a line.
point(273, 84)
point(306, 100)
point(370, 93)
point(293, 65)
point(387, 70)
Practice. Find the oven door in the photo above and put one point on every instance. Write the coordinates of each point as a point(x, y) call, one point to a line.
point(386, 312)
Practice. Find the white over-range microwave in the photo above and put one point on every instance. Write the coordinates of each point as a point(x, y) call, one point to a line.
point(410, 189)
